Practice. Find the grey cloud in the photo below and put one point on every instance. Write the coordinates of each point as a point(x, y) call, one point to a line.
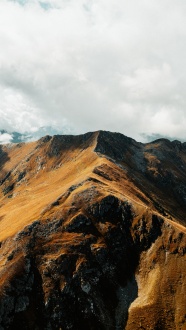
point(94, 65)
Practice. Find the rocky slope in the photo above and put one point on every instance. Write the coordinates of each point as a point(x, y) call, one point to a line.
point(93, 234)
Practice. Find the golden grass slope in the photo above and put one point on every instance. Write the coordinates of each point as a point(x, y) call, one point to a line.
point(46, 179)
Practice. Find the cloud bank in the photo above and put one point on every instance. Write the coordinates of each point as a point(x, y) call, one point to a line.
point(82, 65)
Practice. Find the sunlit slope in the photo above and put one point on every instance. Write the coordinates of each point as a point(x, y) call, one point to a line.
point(34, 175)
point(38, 175)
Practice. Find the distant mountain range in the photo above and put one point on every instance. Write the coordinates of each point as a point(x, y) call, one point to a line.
point(17, 137)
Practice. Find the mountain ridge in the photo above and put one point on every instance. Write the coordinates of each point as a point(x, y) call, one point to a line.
point(92, 226)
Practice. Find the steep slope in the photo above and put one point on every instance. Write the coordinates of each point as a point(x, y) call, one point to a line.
point(157, 169)
point(92, 232)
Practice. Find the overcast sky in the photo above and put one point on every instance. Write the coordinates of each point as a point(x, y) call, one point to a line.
point(84, 65)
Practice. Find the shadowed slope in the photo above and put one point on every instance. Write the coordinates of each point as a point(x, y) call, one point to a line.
point(157, 169)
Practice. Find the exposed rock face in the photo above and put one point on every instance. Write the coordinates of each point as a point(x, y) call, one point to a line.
point(87, 244)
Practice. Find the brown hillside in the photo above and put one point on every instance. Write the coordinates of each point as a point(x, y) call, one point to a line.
point(93, 233)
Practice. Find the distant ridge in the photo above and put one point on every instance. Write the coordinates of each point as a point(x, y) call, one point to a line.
point(17, 137)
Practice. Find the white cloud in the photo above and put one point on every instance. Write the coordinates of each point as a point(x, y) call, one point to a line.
point(5, 138)
point(94, 65)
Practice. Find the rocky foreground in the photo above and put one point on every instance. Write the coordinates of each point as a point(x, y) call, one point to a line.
point(93, 234)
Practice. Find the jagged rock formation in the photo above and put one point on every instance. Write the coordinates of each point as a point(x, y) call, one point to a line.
point(92, 232)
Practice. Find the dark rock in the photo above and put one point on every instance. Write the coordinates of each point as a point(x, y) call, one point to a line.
point(7, 189)
point(5, 178)
point(21, 176)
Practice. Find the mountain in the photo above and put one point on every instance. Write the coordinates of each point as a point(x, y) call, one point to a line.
point(93, 233)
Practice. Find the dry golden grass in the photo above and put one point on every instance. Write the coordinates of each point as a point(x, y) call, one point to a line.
point(41, 188)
